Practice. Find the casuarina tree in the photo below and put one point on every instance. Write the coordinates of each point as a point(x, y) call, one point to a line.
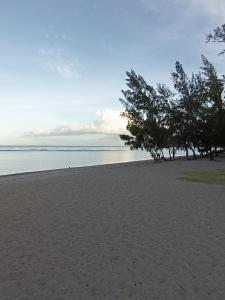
point(146, 110)
point(218, 36)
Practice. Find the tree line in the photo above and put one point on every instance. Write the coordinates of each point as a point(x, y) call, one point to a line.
point(190, 117)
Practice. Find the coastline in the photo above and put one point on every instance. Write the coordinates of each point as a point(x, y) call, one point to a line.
point(127, 230)
point(14, 162)
point(135, 162)
point(74, 169)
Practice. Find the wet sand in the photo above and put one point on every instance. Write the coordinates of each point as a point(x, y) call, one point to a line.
point(122, 231)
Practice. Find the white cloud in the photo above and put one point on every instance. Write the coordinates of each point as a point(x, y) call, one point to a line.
point(212, 8)
point(52, 35)
point(64, 69)
point(110, 122)
point(57, 61)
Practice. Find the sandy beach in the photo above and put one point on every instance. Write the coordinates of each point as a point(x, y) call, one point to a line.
point(122, 231)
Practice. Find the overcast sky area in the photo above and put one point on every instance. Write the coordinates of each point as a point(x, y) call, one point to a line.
point(63, 62)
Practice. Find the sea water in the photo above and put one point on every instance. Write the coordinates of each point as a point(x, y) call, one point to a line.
point(19, 159)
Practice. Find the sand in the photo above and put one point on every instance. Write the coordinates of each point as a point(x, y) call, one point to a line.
point(123, 231)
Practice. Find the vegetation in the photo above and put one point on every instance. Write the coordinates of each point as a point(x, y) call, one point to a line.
point(212, 177)
point(190, 117)
point(193, 118)
point(218, 36)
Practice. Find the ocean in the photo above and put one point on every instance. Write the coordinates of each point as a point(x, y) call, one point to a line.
point(20, 159)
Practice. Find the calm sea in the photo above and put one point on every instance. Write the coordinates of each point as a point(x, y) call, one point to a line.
point(19, 159)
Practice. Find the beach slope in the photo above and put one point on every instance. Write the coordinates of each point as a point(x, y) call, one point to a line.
point(123, 231)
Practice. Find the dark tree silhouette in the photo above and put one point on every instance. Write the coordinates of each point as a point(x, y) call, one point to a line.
point(218, 35)
point(201, 107)
point(192, 119)
point(146, 110)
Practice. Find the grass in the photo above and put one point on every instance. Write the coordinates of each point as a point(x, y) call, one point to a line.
point(211, 177)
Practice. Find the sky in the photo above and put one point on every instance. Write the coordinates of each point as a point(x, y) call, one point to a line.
point(63, 62)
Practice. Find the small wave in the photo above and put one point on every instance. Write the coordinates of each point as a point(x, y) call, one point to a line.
point(62, 149)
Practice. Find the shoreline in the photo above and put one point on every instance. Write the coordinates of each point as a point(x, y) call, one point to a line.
point(75, 168)
point(150, 160)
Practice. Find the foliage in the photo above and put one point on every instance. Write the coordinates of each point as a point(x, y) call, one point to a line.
point(218, 36)
point(146, 110)
point(193, 118)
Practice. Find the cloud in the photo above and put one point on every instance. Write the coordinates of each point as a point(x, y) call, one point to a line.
point(57, 61)
point(54, 36)
point(109, 123)
point(211, 8)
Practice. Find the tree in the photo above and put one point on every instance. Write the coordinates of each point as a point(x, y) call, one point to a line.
point(186, 109)
point(199, 109)
point(218, 36)
point(215, 114)
point(193, 118)
point(146, 111)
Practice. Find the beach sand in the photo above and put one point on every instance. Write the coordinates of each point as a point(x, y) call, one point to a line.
point(122, 231)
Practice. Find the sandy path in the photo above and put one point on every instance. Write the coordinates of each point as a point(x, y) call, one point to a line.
point(126, 231)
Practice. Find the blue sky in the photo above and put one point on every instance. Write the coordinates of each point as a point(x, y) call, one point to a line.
point(63, 62)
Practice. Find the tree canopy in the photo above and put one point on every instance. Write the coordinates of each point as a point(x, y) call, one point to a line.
point(218, 35)
point(192, 116)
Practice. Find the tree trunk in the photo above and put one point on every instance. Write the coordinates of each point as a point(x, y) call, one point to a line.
point(193, 151)
point(211, 155)
point(170, 154)
point(162, 155)
point(173, 153)
point(186, 149)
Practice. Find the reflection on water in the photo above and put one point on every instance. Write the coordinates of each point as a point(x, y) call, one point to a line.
point(123, 156)
point(27, 161)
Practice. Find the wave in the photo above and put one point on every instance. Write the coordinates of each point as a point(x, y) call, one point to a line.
point(61, 149)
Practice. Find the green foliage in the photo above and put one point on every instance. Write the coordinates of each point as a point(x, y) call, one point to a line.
point(193, 118)
point(212, 177)
point(146, 110)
